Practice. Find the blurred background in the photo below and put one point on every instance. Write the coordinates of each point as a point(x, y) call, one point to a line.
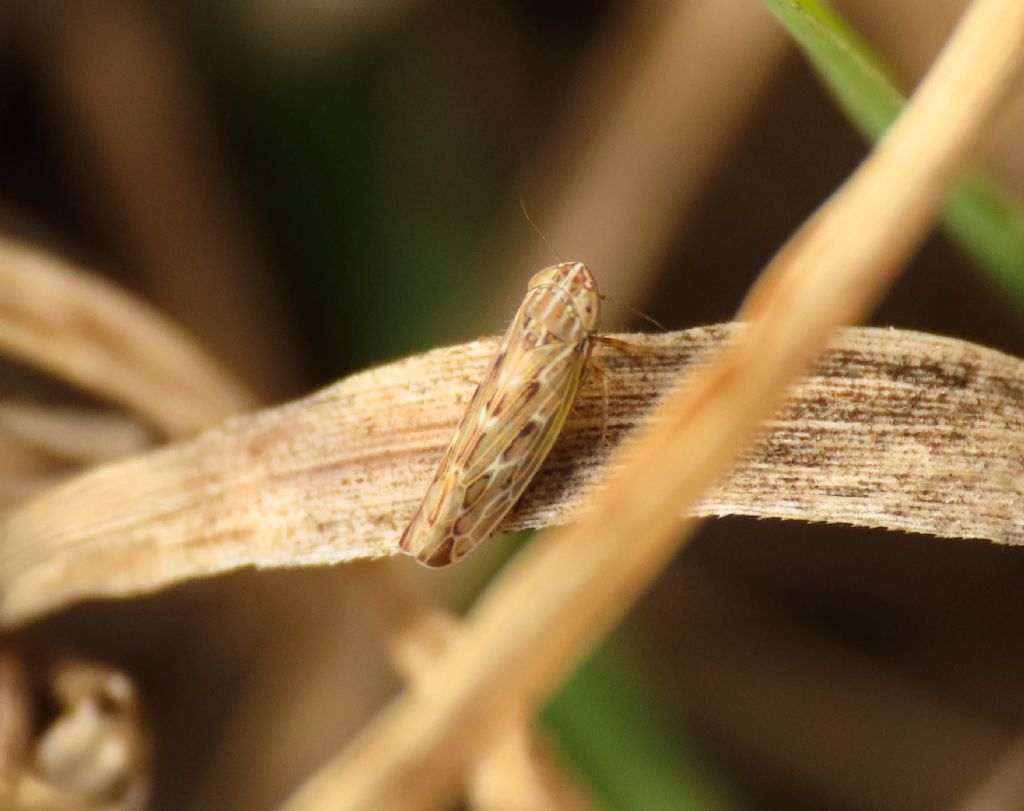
point(314, 186)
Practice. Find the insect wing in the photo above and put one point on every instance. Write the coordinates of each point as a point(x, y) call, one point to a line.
point(509, 427)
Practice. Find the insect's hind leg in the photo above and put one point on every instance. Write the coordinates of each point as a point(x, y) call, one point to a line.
point(598, 371)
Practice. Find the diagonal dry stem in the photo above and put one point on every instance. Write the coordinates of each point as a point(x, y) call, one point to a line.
point(521, 767)
point(559, 596)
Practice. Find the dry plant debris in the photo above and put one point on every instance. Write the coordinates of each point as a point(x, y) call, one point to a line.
point(91, 752)
point(522, 769)
point(893, 429)
point(889, 428)
point(558, 597)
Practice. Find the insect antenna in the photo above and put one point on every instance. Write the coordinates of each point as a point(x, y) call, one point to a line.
point(540, 233)
point(636, 312)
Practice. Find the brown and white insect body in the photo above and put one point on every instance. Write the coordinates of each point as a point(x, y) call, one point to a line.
point(514, 418)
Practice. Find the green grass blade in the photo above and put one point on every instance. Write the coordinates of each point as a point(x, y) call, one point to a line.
point(987, 222)
point(608, 720)
point(983, 219)
point(610, 727)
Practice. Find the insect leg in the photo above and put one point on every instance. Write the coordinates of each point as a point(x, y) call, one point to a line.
point(598, 371)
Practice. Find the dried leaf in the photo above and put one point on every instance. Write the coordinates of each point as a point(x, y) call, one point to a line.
point(893, 429)
point(40, 446)
point(72, 435)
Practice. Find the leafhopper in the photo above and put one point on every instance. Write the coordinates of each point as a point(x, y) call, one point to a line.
point(513, 419)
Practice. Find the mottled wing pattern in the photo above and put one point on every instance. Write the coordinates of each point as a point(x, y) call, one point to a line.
point(509, 427)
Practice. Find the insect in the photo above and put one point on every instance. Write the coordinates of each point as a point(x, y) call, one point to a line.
point(513, 419)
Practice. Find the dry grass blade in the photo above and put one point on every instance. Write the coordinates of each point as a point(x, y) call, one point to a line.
point(72, 435)
point(41, 446)
point(79, 328)
point(895, 429)
point(559, 596)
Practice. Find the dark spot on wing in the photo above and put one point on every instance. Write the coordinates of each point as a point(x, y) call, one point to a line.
point(475, 490)
point(522, 438)
point(470, 450)
point(521, 397)
point(442, 555)
point(499, 361)
point(465, 524)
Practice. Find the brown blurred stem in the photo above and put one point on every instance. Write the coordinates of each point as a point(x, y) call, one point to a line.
point(136, 116)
